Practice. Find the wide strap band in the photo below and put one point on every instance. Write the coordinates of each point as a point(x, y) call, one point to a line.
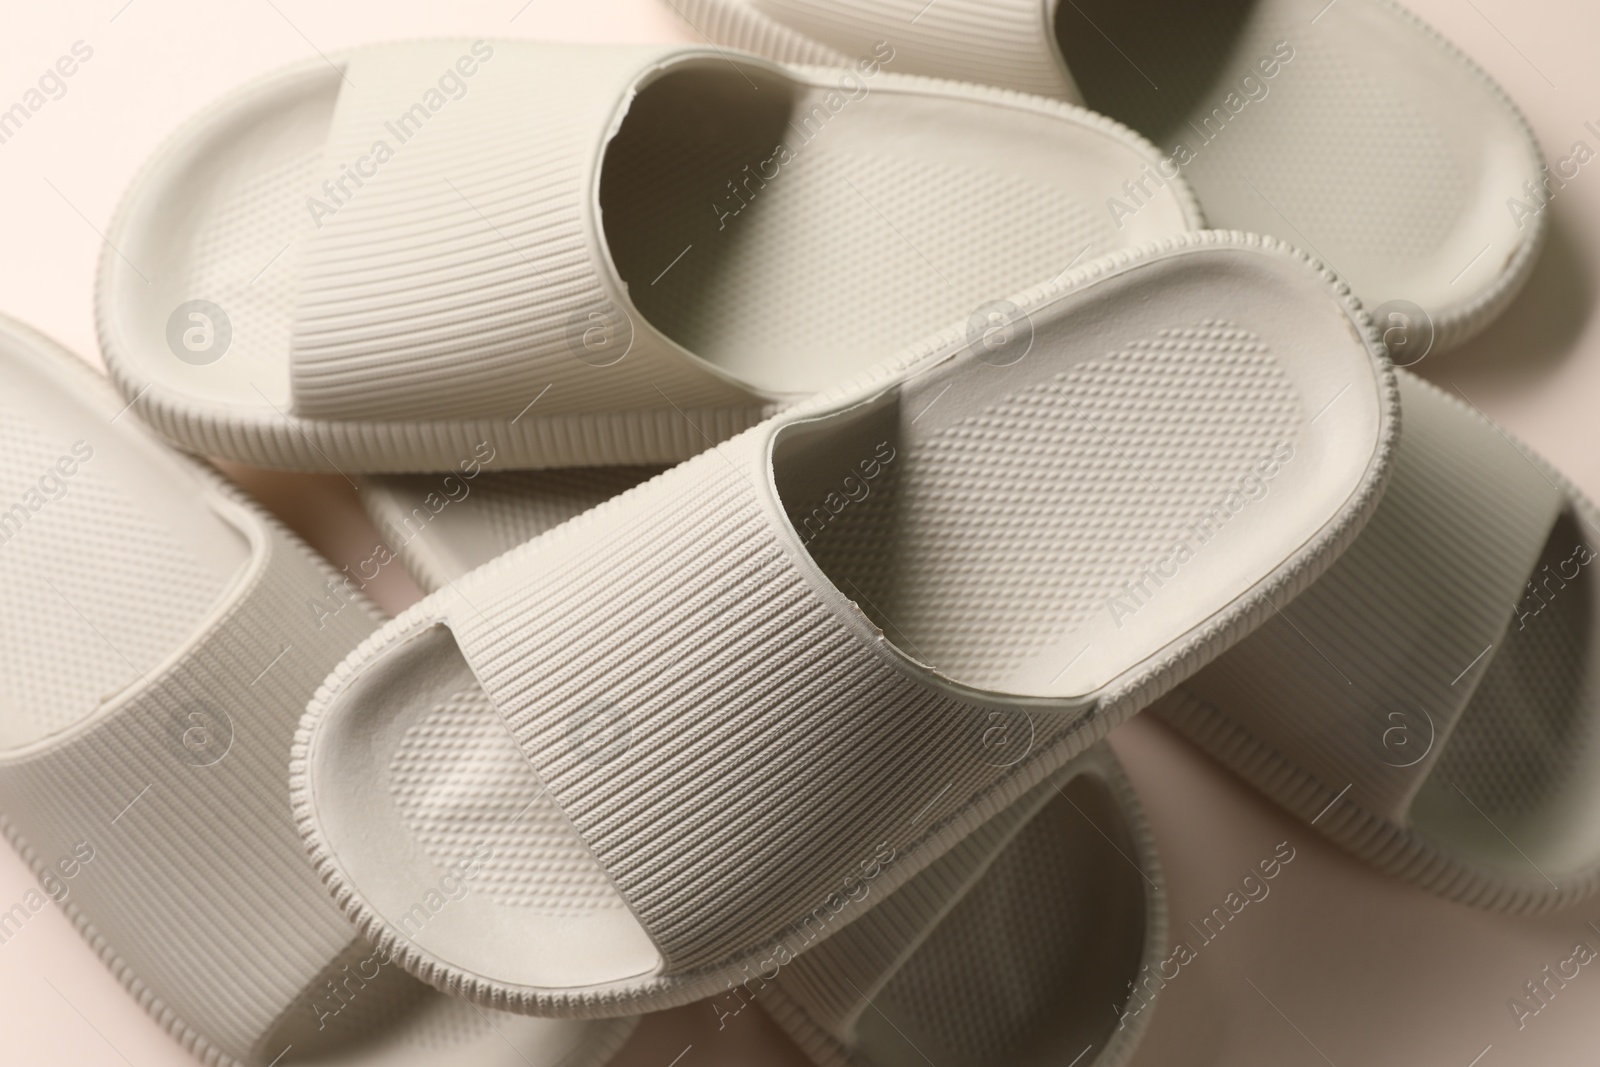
point(1361, 679)
point(457, 268)
point(769, 747)
point(1008, 43)
point(163, 825)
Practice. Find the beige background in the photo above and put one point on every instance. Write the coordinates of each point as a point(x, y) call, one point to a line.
point(1359, 969)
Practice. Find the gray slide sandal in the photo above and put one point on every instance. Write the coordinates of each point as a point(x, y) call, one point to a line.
point(665, 719)
point(1431, 703)
point(1349, 128)
point(583, 255)
point(160, 648)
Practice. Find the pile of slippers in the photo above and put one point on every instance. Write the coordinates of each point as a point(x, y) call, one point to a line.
point(813, 442)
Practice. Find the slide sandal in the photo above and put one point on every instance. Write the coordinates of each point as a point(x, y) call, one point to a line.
point(1349, 128)
point(1430, 703)
point(579, 254)
point(161, 648)
point(1023, 963)
point(1213, 397)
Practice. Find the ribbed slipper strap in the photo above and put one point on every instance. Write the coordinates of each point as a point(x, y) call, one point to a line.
point(462, 271)
point(1008, 43)
point(198, 894)
point(772, 746)
point(1361, 679)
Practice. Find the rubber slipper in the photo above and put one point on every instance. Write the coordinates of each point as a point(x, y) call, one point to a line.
point(162, 647)
point(1007, 949)
point(1349, 128)
point(1011, 943)
point(1429, 703)
point(1214, 389)
point(582, 255)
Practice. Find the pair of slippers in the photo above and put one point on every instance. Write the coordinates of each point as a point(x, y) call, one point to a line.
point(640, 759)
point(199, 629)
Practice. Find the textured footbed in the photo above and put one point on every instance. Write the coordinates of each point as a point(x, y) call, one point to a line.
point(885, 218)
point(1371, 144)
point(111, 554)
point(1163, 453)
point(1022, 969)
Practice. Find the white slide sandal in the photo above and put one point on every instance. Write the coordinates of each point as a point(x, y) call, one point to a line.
point(989, 961)
point(1212, 397)
point(160, 648)
point(582, 255)
point(1431, 703)
point(1351, 129)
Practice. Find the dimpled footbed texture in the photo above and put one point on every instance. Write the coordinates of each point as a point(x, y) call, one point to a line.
point(465, 789)
point(1358, 170)
point(62, 564)
point(836, 253)
point(1099, 469)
